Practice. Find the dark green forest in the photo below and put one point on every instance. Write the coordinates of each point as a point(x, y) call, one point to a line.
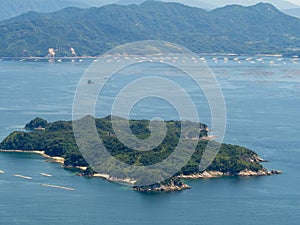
point(58, 140)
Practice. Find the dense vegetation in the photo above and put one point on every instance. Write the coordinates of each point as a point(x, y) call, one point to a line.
point(232, 29)
point(58, 140)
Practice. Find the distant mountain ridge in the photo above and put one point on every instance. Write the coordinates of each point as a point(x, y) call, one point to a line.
point(280, 4)
point(232, 29)
point(207, 4)
point(293, 12)
point(12, 8)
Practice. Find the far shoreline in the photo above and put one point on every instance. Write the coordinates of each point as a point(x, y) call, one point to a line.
point(275, 55)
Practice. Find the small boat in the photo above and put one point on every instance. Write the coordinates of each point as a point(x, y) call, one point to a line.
point(45, 175)
point(1, 171)
point(24, 177)
point(58, 187)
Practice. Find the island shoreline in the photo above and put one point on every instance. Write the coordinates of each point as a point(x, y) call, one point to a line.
point(164, 188)
point(55, 159)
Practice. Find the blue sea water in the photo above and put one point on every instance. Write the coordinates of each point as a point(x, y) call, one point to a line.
point(263, 105)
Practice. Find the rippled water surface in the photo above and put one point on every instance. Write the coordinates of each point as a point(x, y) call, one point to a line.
point(263, 105)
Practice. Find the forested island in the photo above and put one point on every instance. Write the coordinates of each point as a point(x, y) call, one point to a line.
point(56, 139)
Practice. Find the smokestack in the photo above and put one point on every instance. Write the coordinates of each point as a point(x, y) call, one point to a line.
point(51, 52)
point(73, 51)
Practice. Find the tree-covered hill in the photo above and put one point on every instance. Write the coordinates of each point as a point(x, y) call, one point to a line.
point(232, 29)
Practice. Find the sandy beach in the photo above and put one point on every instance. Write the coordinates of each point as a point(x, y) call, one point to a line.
point(114, 179)
point(61, 160)
point(42, 153)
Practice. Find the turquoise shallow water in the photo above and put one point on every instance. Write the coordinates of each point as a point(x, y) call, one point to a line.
point(263, 104)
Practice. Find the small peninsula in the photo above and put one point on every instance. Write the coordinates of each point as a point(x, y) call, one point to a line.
point(56, 140)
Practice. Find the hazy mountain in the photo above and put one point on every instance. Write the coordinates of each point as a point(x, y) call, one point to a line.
point(12, 8)
point(293, 12)
point(280, 4)
point(212, 4)
point(97, 3)
point(129, 2)
point(195, 3)
point(204, 4)
point(232, 29)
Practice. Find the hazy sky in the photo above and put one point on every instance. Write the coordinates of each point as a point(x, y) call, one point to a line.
point(297, 2)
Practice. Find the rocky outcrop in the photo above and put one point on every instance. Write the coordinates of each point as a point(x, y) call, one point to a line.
point(205, 174)
point(276, 172)
point(161, 188)
point(38, 124)
point(256, 158)
point(263, 172)
point(127, 181)
point(243, 173)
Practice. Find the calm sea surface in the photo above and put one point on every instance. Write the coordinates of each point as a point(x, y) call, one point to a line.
point(263, 105)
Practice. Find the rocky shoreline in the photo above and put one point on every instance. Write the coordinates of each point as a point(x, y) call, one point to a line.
point(128, 181)
point(162, 188)
point(243, 173)
point(157, 187)
point(264, 172)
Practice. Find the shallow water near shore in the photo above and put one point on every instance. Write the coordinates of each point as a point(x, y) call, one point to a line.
point(263, 104)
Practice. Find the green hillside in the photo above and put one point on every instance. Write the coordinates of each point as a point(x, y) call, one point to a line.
point(232, 29)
